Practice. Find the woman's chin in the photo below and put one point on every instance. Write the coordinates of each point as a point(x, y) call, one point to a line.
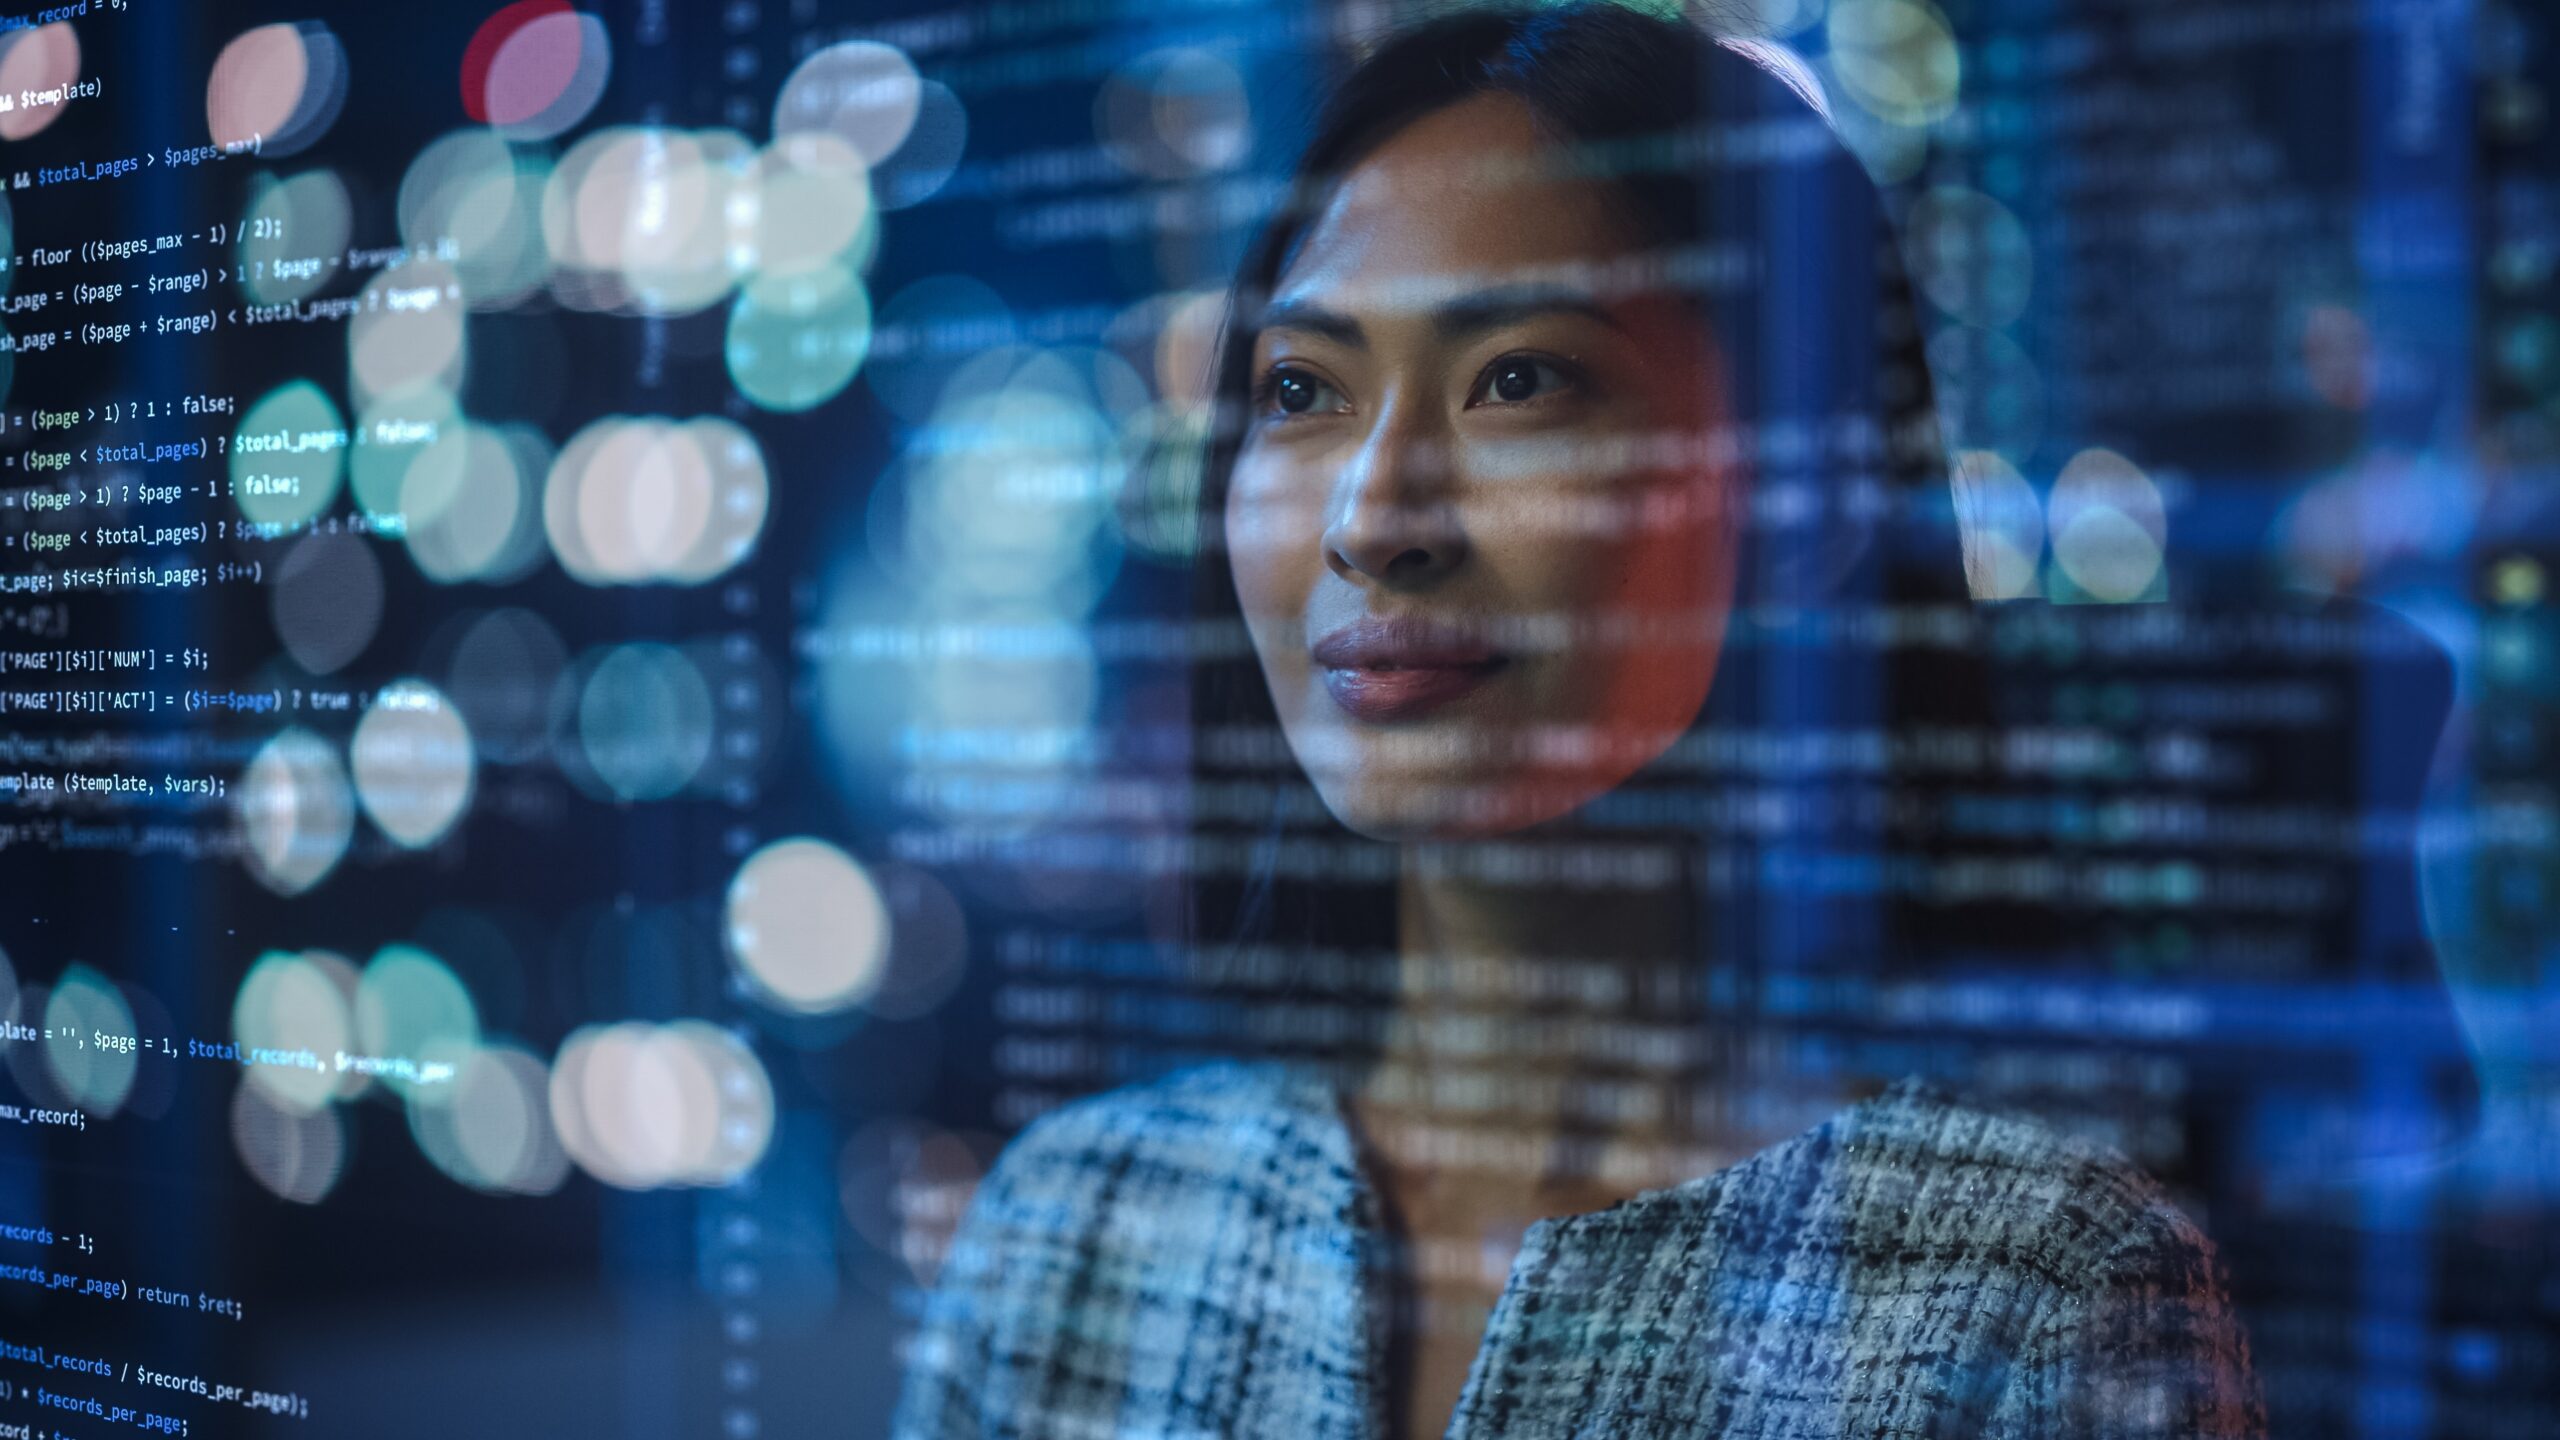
point(1410, 808)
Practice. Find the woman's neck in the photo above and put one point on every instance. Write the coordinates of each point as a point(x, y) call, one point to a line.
point(1506, 1087)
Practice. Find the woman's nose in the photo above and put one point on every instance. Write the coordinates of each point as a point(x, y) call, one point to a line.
point(1395, 521)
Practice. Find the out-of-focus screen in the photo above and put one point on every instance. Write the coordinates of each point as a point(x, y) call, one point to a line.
point(633, 633)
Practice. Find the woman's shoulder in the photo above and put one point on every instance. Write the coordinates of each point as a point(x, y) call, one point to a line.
point(1918, 1178)
point(1913, 1255)
point(2012, 1177)
point(1202, 1123)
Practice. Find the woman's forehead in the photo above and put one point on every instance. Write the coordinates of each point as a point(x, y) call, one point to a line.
point(1470, 196)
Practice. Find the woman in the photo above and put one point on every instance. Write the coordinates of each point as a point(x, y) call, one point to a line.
point(1495, 461)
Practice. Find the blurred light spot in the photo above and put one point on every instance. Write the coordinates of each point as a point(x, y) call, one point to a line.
point(403, 472)
point(408, 333)
point(645, 501)
point(1891, 153)
point(297, 1155)
point(412, 760)
point(1896, 58)
point(2337, 355)
point(633, 500)
point(2110, 528)
point(2003, 526)
point(531, 452)
point(644, 721)
point(922, 166)
point(1011, 497)
point(504, 671)
point(287, 457)
point(740, 492)
point(904, 1186)
point(480, 53)
point(476, 201)
point(1186, 348)
point(296, 811)
point(2517, 580)
point(326, 597)
point(1970, 255)
point(861, 93)
point(2390, 505)
point(563, 490)
point(276, 89)
point(544, 75)
point(294, 1002)
point(494, 1131)
point(1174, 114)
point(651, 220)
point(2528, 349)
point(1769, 18)
point(813, 202)
point(698, 260)
point(1164, 451)
point(34, 62)
point(1041, 704)
point(86, 1009)
point(927, 332)
point(929, 952)
point(795, 341)
point(1988, 390)
point(474, 514)
point(291, 234)
point(806, 927)
point(642, 1106)
point(409, 1006)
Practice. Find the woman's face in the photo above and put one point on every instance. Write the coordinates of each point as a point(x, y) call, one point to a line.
point(1483, 563)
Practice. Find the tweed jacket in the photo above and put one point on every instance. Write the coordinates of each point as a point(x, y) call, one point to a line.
point(1192, 1258)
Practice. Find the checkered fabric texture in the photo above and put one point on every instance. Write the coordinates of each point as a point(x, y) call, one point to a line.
point(1200, 1257)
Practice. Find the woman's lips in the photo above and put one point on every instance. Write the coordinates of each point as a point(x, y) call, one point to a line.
point(1383, 670)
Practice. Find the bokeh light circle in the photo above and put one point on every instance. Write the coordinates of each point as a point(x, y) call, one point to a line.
point(544, 76)
point(643, 721)
point(294, 1003)
point(411, 1007)
point(275, 89)
point(2002, 523)
point(861, 93)
point(413, 763)
point(795, 341)
point(326, 599)
point(38, 62)
point(1970, 255)
point(1897, 58)
point(85, 1009)
point(494, 1131)
point(1175, 113)
point(287, 457)
point(642, 1106)
point(297, 811)
point(291, 234)
point(2110, 526)
point(806, 927)
point(296, 1155)
point(472, 199)
point(502, 676)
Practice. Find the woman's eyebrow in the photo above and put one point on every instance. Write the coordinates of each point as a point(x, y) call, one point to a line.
point(1504, 305)
point(1454, 317)
point(1309, 316)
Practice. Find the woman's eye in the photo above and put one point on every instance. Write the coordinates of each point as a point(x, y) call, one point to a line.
point(1516, 379)
point(1295, 392)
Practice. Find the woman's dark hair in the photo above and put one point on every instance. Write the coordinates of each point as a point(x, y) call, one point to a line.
point(1732, 177)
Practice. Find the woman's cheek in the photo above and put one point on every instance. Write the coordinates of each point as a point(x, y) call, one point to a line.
point(1273, 549)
